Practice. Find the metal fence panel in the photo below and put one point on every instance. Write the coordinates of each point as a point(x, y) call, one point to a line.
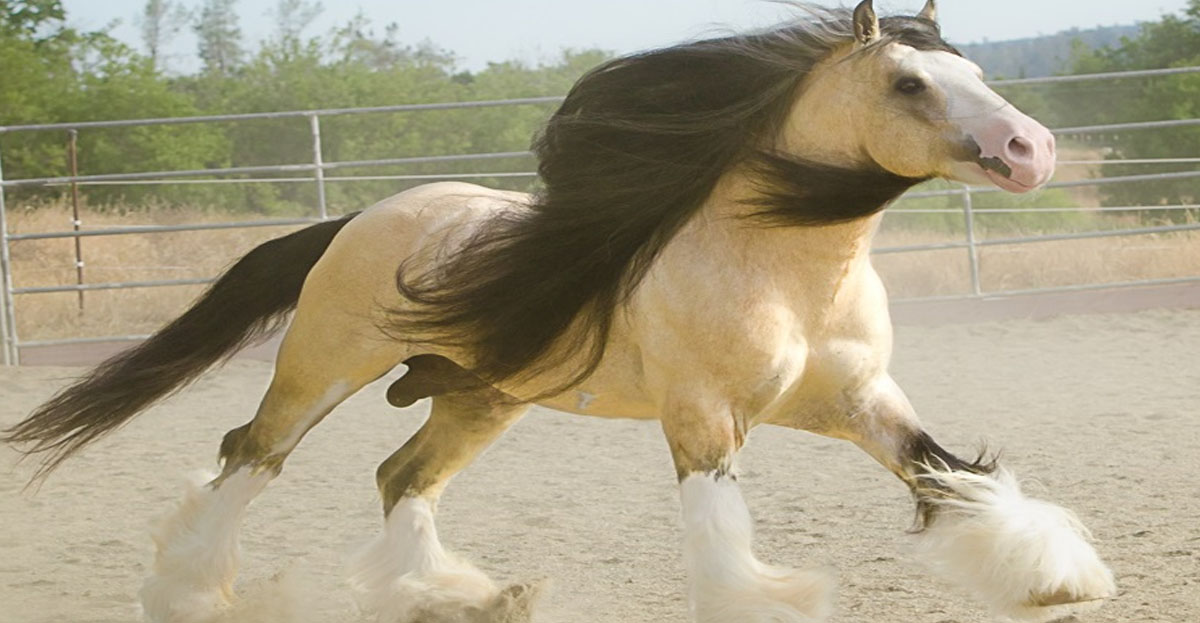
point(8, 319)
point(318, 167)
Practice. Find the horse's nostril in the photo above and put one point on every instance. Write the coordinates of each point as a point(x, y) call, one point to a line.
point(1020, 147)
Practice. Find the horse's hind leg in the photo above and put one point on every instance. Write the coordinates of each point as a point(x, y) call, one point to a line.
point(196, 559)
point(1028, 559)
point(405, 575)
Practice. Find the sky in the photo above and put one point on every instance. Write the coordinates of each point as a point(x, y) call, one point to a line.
point(482, 31)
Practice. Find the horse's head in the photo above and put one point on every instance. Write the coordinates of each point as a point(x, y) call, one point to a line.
point(904, 98)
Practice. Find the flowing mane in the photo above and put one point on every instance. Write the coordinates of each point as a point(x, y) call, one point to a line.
point(631, 155)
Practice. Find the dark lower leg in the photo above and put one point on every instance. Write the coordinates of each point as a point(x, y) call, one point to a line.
point(291, 408)
point(460, 426)
point(924, 459)
point(196, 547)
point(976, 528)
point(394, 572)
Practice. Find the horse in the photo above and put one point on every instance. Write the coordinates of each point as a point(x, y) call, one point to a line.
point(697, 253)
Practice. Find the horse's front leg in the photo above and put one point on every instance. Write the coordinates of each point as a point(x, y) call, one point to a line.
point(1028, 559)
point(727, 584)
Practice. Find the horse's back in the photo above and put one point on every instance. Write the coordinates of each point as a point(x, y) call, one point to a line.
point(417, 219)
point(413, 228)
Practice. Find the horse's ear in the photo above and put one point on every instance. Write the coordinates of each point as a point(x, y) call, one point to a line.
point(930, 11)
point(866, 23)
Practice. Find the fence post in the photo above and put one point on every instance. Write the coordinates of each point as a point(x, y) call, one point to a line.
point(314, 123)
point(8, 318)
point(73, 165)
point(972, 247)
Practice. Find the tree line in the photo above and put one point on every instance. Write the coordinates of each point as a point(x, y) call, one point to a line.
point(1173, 41)
point(54, 73)
point(1045, 55)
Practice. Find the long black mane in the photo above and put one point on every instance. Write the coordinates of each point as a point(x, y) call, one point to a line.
point(632, 154)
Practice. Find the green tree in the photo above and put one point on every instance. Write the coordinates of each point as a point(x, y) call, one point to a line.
point(52, 73)
point(220, 36)
point(1173, 41)
point(159, 22)
point(293, 16)
point(23, 19)
point(40, 81)
point(62, 75)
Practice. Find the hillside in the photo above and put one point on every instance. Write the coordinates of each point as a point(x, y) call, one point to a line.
point(1040, 56)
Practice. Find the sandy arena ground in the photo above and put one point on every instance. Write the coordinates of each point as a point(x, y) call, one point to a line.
point(1102, 410)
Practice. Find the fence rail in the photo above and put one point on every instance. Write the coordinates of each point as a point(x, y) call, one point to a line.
point(314, 172)
point(291, 114)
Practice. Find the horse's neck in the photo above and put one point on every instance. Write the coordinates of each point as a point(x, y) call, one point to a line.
point(807, 257)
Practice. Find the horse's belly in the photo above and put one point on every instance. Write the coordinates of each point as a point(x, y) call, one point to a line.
point(580, 401)
point(615, 390)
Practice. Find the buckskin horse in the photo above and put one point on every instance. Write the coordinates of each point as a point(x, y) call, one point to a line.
point(697, 254)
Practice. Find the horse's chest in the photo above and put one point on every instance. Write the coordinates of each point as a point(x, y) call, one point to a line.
point(834, 372)
point(844, 362)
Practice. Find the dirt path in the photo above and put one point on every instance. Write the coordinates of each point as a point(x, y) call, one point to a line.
point(1103, 410)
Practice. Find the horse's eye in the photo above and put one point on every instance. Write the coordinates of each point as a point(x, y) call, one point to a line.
point(910, 86)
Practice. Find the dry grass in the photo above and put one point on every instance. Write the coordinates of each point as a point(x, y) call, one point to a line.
point(1041, 265)
point(205, 254)
point(183, 255)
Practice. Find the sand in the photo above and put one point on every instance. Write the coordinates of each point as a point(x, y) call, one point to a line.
point(1101, 410)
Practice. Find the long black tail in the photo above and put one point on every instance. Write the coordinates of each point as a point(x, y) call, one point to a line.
point(249, 302)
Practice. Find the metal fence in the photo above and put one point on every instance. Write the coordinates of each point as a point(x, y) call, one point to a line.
point(317, 175)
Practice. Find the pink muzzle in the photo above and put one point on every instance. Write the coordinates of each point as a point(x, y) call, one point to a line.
point(1017, 153)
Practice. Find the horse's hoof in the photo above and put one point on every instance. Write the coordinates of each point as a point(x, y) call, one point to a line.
point(1028, 559)
point(514, 604)
point(772, 595)
point(1057, 607)
point(808, 592)
point(1062, 597)
point(454, 598)
point(164, 601)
